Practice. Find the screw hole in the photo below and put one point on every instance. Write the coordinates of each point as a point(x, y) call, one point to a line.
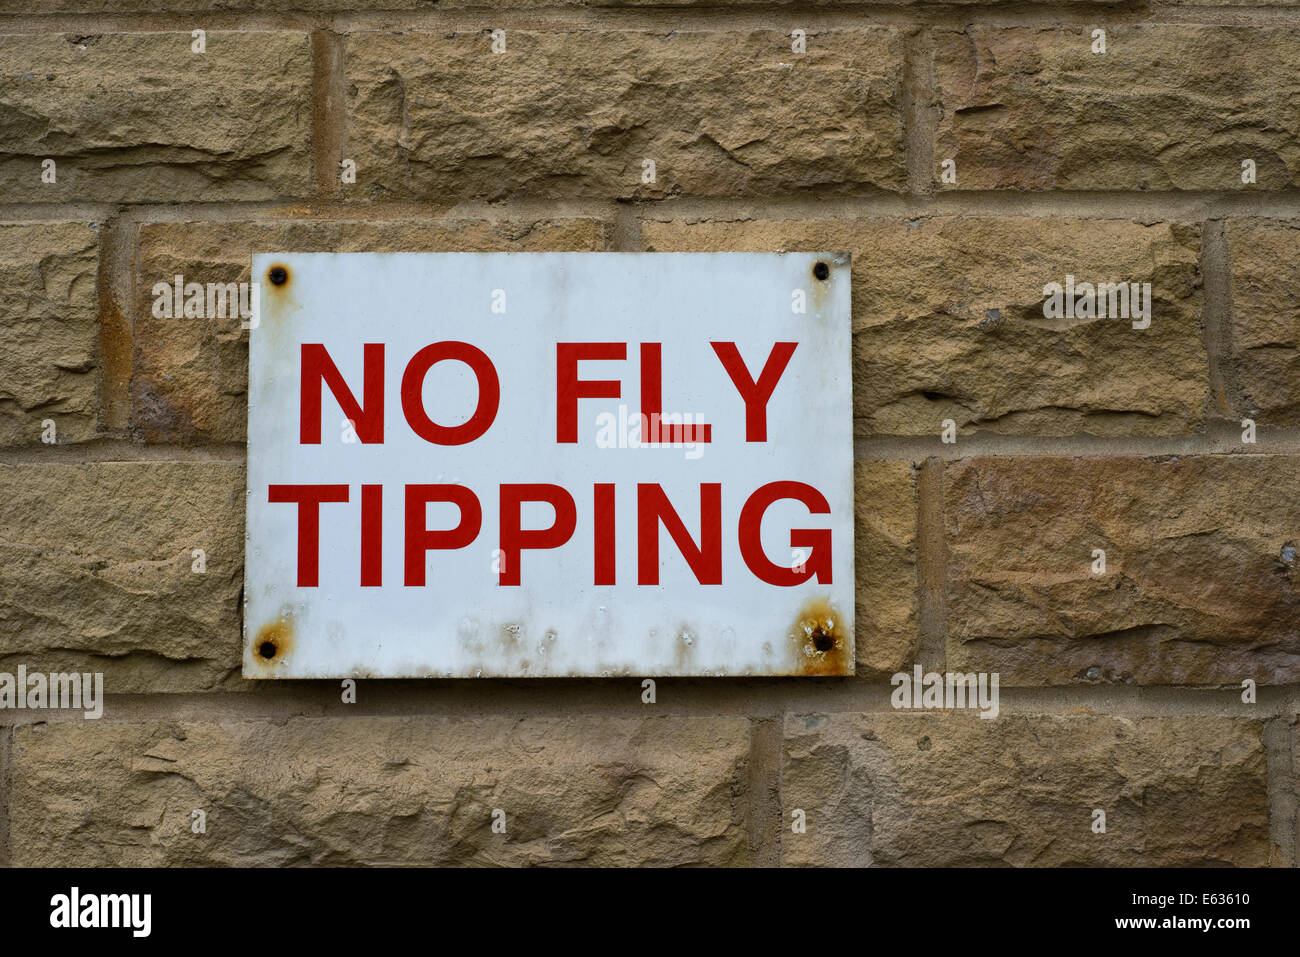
point(823, 641)
point(266, 649)
point(821, 270)
point(278, 275)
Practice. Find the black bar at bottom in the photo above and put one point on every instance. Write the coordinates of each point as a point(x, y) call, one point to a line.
point(329, 907)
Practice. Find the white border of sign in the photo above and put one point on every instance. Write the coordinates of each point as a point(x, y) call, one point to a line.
point(515, 308)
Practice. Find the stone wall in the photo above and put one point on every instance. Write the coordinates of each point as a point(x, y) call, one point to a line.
point(966, 153)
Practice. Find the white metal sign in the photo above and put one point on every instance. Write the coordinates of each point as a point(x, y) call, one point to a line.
point(532, 464)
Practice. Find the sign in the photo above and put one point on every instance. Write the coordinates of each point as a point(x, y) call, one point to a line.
point(547, 464)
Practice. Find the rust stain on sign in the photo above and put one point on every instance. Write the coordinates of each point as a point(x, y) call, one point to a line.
point(821, 642)
point(271, 645)
point(277, 292)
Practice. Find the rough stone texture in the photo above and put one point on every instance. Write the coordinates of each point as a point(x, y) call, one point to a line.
point(348, 6)
point(191, 375)
point(95, 572)
point(132, 117)
point(1198, 588)
point(944, 790)
point(1264, 256)
point(586, 789)
point(885, 560)
point(1167, 107)
point(1285, 807)
point(948, 320)
point(49, 337)
point(574, 113)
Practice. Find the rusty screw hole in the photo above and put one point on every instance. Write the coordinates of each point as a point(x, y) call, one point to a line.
point(821, 270)
point(823, 641)
point(278, 276)
point(266, 649)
